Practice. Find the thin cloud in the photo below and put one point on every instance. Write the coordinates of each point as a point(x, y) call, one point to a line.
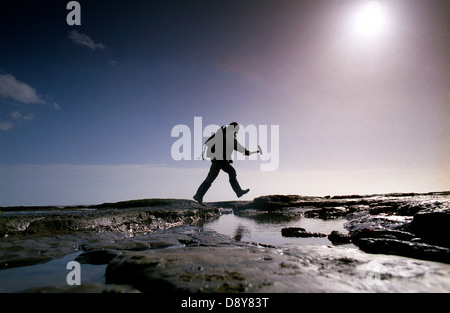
point(56, 106)
point(5, 126)
point(85, 40)
point(18, 116)
point(19, 91)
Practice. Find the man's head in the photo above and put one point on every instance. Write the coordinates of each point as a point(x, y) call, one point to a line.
point(235, 126)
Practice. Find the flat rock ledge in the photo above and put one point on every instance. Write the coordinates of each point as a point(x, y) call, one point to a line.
point(251, 268)
point(134, 217)
point(43, 233)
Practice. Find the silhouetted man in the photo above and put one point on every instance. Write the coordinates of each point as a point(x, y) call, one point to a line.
point(220, 147)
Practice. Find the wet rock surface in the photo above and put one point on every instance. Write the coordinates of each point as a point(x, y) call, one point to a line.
point(158, 245)
point(150, 215)
point(85, 288)
point(39, 236)
point(405, 248)
point(432, 224)
point(251, 268)
point(299, 232)
point(413, 225)
point(337, 237)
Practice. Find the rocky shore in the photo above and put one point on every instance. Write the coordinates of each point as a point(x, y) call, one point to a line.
point(159, 245)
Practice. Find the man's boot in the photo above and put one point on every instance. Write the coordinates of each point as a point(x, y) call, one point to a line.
point(237, 189)
point(201, 192)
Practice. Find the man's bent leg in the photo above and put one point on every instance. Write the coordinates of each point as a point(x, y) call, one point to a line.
point(237, 188)
point(228, 168)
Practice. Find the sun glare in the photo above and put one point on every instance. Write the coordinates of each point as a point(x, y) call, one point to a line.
point(370, 19)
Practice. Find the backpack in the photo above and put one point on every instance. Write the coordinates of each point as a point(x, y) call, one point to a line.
point(209, 147)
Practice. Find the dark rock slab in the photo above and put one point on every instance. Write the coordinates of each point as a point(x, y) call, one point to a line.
point(156, 240)
point(405, 248)
point(85, 288)
point(249, 268)
point(361, 219)
point(132, 221)
point(383, 209)
point(299, 232)
point(357, 235)
point(327, 213)
point(97, 257)
point(149, 203)
point(433, 225)
point(206, 269)
point(337, 237)
point(26, 250)
point(277, 202)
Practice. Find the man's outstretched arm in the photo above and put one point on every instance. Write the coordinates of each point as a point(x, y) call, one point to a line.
point(238, 147)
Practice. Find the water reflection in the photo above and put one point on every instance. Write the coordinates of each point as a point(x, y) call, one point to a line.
point(239, 232)
point(266, 228)
point(52, 273)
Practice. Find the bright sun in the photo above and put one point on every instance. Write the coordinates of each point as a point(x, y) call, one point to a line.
point(370, 19)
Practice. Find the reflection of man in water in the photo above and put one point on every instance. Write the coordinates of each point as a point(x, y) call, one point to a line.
point(239, 233)
point(220, 148)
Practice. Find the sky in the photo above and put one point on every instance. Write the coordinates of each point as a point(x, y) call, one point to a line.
point(359, 90)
